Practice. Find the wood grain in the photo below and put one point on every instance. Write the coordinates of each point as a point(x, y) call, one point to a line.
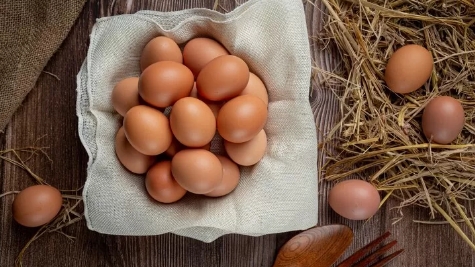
point(319, 246)
point(48, 118)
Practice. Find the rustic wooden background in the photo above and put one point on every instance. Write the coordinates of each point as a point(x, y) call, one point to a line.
point(49, 112)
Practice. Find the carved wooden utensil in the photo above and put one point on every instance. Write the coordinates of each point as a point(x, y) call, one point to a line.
point(316, 247)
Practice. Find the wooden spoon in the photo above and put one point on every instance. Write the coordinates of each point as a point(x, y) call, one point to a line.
point(316, 247)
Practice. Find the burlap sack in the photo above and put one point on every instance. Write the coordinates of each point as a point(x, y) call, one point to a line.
point(30, 32)
point(278, 194)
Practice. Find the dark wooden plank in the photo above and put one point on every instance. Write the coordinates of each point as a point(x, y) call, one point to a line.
point(49, 112)
point(440, 244)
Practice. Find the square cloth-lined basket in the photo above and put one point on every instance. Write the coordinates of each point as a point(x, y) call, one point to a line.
point(278, 194)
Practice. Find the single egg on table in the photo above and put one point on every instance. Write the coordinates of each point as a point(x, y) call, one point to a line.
point(223, 78)
point(247, 153)
point(443, 119)
point(354, 199)
point(200, 51)
point(241, 118)
point(160, 48)
point(37, 205)
point(147, 130)
point(129, 157)
point(161, 185)
point(165, 82)
point(408, 69)
point(125, 95)
point(197, 170)
point(231, 176)
point(192, 122)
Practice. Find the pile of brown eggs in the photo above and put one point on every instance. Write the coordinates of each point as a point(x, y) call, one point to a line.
point(182, 101)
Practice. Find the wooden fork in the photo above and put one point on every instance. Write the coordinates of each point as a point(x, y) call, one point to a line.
point(358, 258)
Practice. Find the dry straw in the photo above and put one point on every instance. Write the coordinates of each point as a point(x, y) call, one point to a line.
point(379, 136)
point(72, 200)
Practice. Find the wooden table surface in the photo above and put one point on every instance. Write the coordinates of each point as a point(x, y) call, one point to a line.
point(48, 118)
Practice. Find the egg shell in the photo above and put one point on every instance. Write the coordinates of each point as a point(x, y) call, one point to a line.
point(408, 69)
point(129, 157)
point(161, 185)
point(206, 147)
point(214, 106)
point(256, 87)
point(37, 205)
point(443, 119)
point(177, 146)
point(194, 91)
point(158, 49)
point(197, 170)
point(192, 122)
point(231, 176)
point(125, 95)
point(165, 82)
point(242, 118)
point(247, 153)
point(223, 78)
point(200, 51)
point(147, 130)
point(354, 199)
point(174, 147)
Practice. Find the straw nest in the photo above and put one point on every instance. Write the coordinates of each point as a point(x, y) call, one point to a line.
point(379, 137)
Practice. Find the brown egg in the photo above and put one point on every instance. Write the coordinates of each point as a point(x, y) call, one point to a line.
point(147, 130)
point(206, 147)
point(160, 49)
point(223, 78)
point(161, 185)
point(125, 95)
point(443, 119)
point(200, 51)
point(214, 106)
point(256, 87)
point(354, 199)
point(177, 146)
point(197, 170)
point(231, 176)
point(194, 91)
point(192, 122)
point(129, 157)
point(37, 205)
point(248, 153)
point(242, 118)
point(408, 69)
point(174, 147)
point(164, 82)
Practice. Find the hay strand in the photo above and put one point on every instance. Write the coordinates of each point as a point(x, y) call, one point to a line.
point(69, 213)
point(379, 137)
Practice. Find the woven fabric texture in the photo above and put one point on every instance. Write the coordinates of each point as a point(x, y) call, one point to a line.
point(278, 194)
point(30, 32)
